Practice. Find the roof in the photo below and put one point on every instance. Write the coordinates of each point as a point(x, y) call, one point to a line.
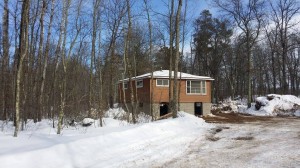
point(165, 74)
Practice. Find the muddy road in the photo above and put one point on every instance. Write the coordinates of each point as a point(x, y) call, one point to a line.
point(245, 141)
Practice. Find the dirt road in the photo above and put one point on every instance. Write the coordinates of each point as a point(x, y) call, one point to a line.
point(245, 141)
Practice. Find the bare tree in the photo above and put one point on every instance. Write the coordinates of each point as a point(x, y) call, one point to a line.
point(63, 83)
point(283, 11)
point(130, 64)
point(40, 51)
point(5, 61)
point(115, 11)
point(96, 7)
point(171, 56)
point(96, 27)
point(46, 57)
point(182, 47)
point(23, 47)
point(176, 60)
point(248, 16)
point(150, 58)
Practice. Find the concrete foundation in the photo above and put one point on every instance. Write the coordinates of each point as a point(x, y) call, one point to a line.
point(186, 107)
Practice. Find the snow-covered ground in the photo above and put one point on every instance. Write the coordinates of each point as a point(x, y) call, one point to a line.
point(186, 141)
point(118, 144)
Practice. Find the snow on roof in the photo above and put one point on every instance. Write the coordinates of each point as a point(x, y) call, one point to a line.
point(165, 74)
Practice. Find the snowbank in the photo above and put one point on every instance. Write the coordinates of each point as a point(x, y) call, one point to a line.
point(273, 105)
point(114, 145)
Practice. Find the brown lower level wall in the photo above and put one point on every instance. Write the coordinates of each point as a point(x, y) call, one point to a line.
point(186, 107)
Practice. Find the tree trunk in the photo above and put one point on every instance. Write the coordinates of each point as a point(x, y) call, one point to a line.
point(130, 69)
point(249, 69)
point(175, 88)
point(150, 60)
point(43, 77)
point(181, 57)
point(100, 77)
point(171, 57)
point(93, 54)
point(40, 52)
point(64, 73)
point(23, 47)
point(5, 62)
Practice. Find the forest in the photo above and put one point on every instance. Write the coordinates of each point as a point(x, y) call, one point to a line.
point(63, 59)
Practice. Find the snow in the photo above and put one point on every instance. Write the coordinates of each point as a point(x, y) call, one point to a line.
point(297, 113)
point(186, 141)
point(88, 121)
point(280, 105)
point(117, 144)
point(287, 105)
point(165, 74)
point(116, 113)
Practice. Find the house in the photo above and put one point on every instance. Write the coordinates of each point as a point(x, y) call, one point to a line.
point(194, 92)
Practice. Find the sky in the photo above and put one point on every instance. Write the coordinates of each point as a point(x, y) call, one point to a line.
point(161, 6)
point(194, 8)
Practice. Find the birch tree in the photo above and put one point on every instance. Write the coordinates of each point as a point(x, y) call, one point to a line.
point(150, 57)
point(23, 49)
point(46, 57)
point(96, 7)
point(63, 83)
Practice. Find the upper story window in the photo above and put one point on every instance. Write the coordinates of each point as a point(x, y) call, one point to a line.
point(196, 87)
point(125, 85)
point(162, 82)
point(139, 84)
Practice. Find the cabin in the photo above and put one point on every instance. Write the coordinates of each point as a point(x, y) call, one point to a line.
point(194, 93)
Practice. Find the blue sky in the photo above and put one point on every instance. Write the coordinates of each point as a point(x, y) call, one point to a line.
point(194, 9)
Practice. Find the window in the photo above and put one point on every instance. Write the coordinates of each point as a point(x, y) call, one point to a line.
point(125, 85)
point(139, 83)
point(162, 82)
point(196, 87)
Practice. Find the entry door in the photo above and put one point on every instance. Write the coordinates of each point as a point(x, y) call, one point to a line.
point(198, 109)
point(163, 109)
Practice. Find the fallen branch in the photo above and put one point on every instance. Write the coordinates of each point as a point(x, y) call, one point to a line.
point(165, 116)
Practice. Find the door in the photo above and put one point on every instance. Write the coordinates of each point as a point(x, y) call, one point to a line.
point(198, 109)
point(163, 110)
